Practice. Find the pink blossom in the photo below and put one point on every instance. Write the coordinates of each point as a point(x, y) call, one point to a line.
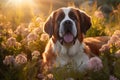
point(95, 64)
point(113, 39)
point(11, 42)
point(32, 36)
point(44, 37)
point(25, 32)
point(8, 60)
point(104, 47)
point(112, 77)
point(19, 29)
point(20, 59)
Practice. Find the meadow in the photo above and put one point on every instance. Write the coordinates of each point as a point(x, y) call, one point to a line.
point(22, 42)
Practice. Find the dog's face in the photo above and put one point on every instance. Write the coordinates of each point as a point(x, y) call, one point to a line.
point(67, 24)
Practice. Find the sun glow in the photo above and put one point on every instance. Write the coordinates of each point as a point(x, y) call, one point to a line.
point(20, 2)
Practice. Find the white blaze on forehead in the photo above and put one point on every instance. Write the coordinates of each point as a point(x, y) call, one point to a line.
point(74, 29)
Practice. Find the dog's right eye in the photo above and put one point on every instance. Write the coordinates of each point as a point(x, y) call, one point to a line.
point(60, 17)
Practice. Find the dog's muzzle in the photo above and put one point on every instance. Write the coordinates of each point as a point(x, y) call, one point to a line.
point(68, 36)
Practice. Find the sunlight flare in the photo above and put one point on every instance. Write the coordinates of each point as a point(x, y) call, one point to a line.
point(20, 2)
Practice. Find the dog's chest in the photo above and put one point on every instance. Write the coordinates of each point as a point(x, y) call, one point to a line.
point(74, 54)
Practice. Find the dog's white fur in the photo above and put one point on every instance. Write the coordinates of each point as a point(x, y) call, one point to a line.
point(74, 54)
point(61, 30)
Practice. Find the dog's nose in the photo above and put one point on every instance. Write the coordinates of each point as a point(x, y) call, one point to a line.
point(67, 23)
point(67, 26)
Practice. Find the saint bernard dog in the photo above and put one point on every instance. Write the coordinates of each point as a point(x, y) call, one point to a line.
point(66, 28)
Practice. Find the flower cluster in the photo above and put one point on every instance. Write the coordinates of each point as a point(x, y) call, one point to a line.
point(18, 60)
point(11, 42)
point(95, 64)
point(21, 59)
point(113, 42)
point(32, 37)
point(9, 60)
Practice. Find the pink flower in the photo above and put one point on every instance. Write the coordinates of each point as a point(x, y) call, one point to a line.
point(25, 32)
point(20, 59)
point(19, 29)
point(44, 37)
point(11, 42)
point(95, 64)
point(32, 37)
point(112, 77)
point(104, 47)
point(8, 60)
point(113, 39)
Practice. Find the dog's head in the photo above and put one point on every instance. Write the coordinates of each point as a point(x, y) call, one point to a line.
point(67, 25)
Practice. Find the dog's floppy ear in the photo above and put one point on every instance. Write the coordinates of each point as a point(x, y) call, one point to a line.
point(85, 21)
point(48, 25)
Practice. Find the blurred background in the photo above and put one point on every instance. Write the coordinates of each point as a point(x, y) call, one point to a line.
point(24, 10)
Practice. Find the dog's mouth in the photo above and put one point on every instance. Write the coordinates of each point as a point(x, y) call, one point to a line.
point(67, 39)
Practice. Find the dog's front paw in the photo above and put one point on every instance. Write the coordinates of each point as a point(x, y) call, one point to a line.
point(95, 64)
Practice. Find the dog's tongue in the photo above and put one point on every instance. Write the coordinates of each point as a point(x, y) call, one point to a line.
point(68, 38)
